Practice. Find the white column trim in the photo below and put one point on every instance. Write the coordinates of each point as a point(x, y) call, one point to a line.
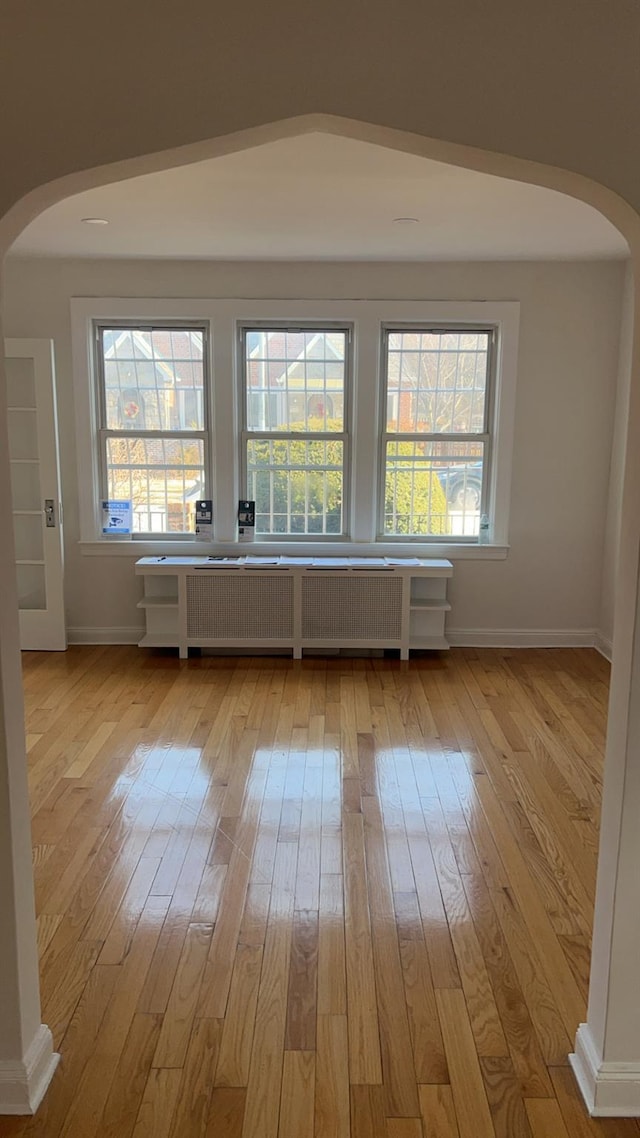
point(610, 1090)
point(23, 1084)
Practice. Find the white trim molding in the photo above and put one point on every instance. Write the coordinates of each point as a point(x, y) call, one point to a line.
point(522, 637)
point(457, 637)
point(610, 1090)
point(125, 635)
point(604, 646)
point(24, 1083)
point(118, 547)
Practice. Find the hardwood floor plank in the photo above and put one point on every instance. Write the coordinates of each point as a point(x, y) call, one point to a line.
point(132, 1073)
point(368, 1114)
point(158, 1104)
point(265, 1070)
point(191, 1115)
point(254, 918)
point(237, 1034)
point(481, 1006)
point(438, 1112)
point(364, 1032)
point(118, 941)
point(300, 1032)
point(332, 1112)
point(184, 999)
point(59, 1004)
point(308, 875)
point(398, 1071)
point(429, 1059)
point(524, 1047)
point(504, 1092)
point(226, 1113)
point(545, 1118)
point(332, 980)
point(404, 1128)
point(469, 1096)
point(217, 977)
point(554, 1040)
point(298, 1095)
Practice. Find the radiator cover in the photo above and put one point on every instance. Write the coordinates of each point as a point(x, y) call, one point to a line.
point(245, 606)
point(351, 608)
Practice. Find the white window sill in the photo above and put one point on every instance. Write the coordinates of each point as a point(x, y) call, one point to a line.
point(465, 551)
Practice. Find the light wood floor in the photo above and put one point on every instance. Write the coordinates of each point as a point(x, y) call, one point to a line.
point(325, 898)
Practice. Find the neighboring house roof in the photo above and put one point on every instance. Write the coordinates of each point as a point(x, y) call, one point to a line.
point(282, 368)
point(174, 350)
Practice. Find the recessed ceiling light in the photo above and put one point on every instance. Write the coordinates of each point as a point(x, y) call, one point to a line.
point(406, 220)
point(94, 221)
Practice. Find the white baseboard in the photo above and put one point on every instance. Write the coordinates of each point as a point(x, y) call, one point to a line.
point(23, 1083)
point(457, 637)
point(125, 635)
point(604, 646)
point(521, 637)
point(610, 1090)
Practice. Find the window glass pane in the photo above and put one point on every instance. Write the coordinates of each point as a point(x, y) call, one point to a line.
point(154, 379)
point(163, 478)
point(297, 485)
point(295, 381)
point(433, 489)
point(437, 382)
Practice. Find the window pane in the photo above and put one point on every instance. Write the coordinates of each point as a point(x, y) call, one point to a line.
point(437, 382)
point(295, 380)
point(433, 489)
point(297, 485)
point(154, 379)
point(162, 477)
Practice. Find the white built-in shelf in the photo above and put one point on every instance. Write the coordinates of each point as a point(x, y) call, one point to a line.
point(434, 605)
point(159, 641)
point(159, 602)
point(22, 409)
point(28, 561)
point(24, 461)
point(428, 642)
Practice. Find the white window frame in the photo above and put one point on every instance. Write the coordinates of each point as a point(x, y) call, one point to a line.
point(486, 436)
point(343, 436)
point(366, 317)
point(104, 433)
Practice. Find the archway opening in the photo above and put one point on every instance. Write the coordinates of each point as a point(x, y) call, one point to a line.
point(341, 130)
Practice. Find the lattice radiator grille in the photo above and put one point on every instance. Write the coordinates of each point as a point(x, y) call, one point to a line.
point(257, 607)
point(351, 608)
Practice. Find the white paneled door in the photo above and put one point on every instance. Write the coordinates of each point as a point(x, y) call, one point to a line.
point(35, 488)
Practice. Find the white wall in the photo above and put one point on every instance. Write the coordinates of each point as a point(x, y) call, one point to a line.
point(569, 348)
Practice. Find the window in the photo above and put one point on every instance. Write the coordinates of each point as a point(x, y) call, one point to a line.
point(295, 438)
point(437, 435)
point(153, 422)
point(372, 422)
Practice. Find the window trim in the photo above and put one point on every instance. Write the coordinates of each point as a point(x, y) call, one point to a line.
point(344, 436)
point(487, 436)
point(104, 433)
